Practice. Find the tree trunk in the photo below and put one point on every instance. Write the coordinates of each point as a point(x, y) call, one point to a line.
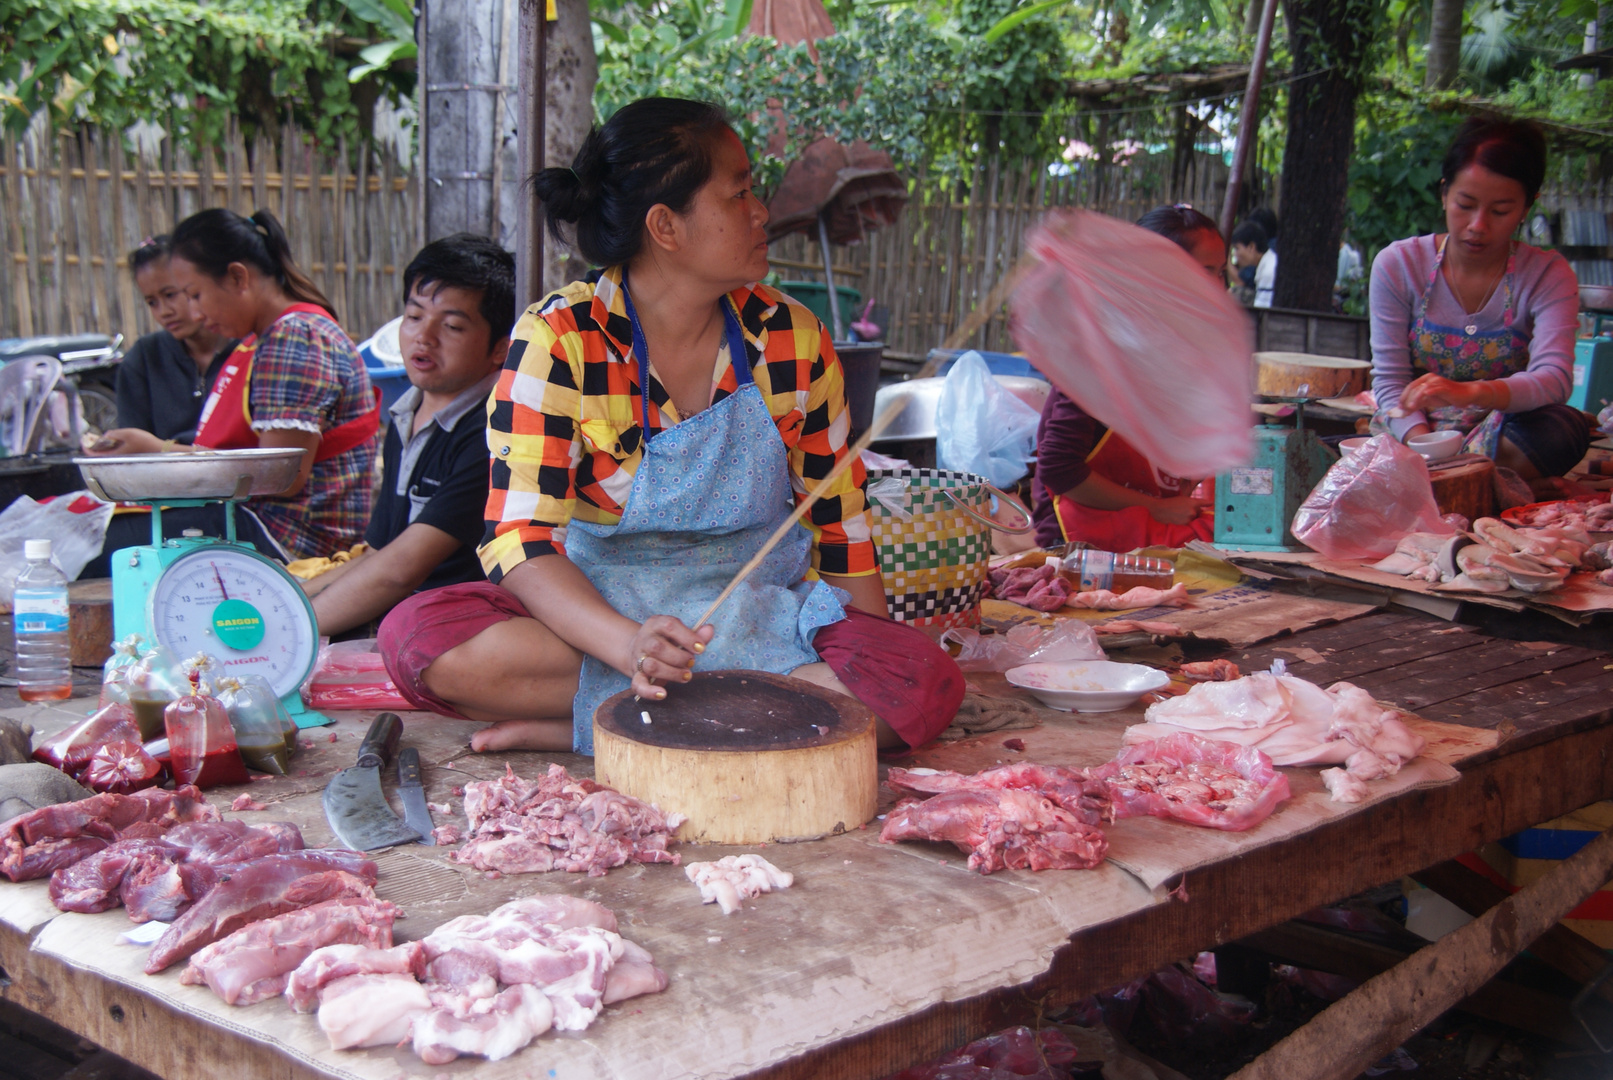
point(1331, 41)
point(1251, 19)
point(1444, 44)
point(573, 70)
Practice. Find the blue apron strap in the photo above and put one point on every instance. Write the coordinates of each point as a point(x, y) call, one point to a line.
point(736, 352)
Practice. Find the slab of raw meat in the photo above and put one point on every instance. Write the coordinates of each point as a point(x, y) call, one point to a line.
point(493, 1027)
point(1187, 778)
point(1139, 597)
point(269, 886)
point(633, 973)
point(1138, 626)
point(560, 822)
point(256, 961)
point(325, 965)
point(1037, 587)
point(36, 844)
point(1069, 789)
point(1211, 671)
point(734, 878)
point(147, 875)
point(1000, 828)
point(371, 1010)
point(1291, 721)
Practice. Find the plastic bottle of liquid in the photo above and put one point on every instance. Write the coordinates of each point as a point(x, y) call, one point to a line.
point(1091, 569)
point(39, 623)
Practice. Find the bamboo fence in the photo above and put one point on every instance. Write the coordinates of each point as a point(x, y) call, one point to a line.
point(954, 241)
point(73, 206)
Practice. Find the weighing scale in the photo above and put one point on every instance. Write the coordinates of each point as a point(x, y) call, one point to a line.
point(209, 594)
point(1255, 505)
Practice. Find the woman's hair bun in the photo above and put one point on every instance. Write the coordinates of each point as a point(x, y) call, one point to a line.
point(562, 194)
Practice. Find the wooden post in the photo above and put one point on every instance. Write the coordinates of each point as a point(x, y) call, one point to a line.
point(459, 73)
point(531, 129)
point(1248, 120)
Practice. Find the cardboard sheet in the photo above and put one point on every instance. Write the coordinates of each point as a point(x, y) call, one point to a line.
point(869, 933)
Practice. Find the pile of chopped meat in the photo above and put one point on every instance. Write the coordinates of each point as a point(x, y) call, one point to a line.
point(1036, 587)
point(1291, 721)
point(1071, 790)
point(1000, 828)
point(483, 985)
point(735, 878)
point(42, 841)
point(1585, 515)
point(1495, 556)
point(560, 822)
point(1183, 777)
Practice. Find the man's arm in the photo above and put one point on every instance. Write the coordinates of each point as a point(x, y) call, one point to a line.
point(370, 586)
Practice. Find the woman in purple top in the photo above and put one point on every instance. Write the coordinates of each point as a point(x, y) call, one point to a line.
point(1473, 331)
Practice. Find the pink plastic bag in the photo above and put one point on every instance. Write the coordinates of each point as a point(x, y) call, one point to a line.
point(1127, 325)
point(1368, 501)
point(1181, 751)
point(352, 675)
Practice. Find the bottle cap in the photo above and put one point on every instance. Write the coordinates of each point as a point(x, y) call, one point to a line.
point(35, 549)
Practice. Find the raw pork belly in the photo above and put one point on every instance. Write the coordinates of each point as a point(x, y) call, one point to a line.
point(1069, 789)
point(734, 878)
point(560, 822)
point(1000, 828)
point(147, 875)
point(325, 965)
point(1292, 721)
point(1139, 597)
point(371, 1010)
point(492, 1027)
point(42, 841)
point(269, 886)
point(1215, 784)
point(256, 961)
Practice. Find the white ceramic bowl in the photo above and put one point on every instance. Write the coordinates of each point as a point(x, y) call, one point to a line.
point(1350, 446)
point(1088, 685)
point(1436, 445)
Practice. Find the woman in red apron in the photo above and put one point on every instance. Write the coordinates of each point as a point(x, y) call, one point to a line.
point(1093, 486)
point(295, 380)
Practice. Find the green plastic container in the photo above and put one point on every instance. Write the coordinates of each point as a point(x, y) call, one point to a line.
point(815, 295)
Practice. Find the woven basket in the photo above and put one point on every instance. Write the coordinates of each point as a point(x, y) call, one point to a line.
point(935, 565)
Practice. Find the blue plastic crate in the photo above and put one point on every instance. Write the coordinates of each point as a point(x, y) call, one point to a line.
point(997, 363)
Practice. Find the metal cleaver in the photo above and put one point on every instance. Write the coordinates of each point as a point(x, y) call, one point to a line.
point(354, 805)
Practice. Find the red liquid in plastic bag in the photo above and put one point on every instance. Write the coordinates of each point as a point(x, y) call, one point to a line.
point(202, 743)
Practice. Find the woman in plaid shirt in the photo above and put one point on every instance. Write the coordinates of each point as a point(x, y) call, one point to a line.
point(652, 427)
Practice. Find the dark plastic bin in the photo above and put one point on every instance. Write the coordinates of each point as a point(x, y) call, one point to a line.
point(392, 382)
point(815, 295)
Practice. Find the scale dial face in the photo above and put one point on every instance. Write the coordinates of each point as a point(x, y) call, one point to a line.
point(241, 609)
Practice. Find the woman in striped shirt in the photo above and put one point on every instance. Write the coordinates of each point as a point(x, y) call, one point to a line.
point(653, 425)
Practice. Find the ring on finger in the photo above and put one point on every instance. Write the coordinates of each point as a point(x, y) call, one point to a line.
point(638, 665)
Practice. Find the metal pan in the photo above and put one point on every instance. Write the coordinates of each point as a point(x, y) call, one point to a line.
point(203, 474)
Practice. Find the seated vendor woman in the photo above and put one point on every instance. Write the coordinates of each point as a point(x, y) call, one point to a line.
point(1473, 331)
point(164, 378)
point(1093, 486)
point(294, 381)
point(459, 305)
point(652, 427)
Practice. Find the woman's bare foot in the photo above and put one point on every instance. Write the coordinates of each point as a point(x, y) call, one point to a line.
point(552, 735)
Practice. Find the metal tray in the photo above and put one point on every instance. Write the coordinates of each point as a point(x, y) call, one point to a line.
point(202, 474)
point(920, 397)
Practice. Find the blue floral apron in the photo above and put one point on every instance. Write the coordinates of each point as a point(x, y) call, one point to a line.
point(708, 492)
point(1466, 354)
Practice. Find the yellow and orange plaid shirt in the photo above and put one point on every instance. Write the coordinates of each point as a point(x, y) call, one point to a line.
point(564, 424)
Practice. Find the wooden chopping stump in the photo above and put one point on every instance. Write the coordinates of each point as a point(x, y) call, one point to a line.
point(89, 621)
point(1467, 489)
point(748, 756)
point(1304, 375)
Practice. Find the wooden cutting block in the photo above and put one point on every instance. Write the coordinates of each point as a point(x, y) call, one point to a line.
point(748, 756)
point(89, 621)
point(1302, 375)
point(1466, 488)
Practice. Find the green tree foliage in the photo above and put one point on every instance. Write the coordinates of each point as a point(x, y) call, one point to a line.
point(190, 64)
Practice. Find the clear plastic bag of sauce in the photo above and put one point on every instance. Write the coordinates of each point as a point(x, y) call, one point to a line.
point(264, 732)
point(154, 681)
point(115, 672)
point(201, 743)
point(72, 750)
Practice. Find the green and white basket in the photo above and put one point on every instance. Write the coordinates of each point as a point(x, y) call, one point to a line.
point(935, 564)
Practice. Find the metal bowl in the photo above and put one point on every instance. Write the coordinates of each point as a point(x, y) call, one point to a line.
point(1596, 297)
point(920, 396)
point(202, 474)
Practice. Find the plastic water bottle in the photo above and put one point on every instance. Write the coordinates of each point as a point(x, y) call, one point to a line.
point(39, 623)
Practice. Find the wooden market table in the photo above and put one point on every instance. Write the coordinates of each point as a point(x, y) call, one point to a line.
point(884, 956)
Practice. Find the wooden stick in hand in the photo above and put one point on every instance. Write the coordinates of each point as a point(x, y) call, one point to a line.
point(880, 423)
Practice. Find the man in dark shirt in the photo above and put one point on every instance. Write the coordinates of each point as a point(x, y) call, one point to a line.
point(459, 308)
